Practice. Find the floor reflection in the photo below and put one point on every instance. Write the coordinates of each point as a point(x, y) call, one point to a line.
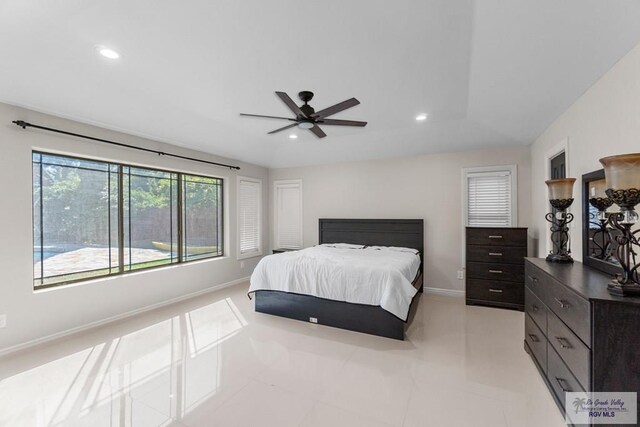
point(153, 375)
point(213, 361)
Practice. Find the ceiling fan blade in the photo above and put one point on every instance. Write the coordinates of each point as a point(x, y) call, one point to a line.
point(292, 105)
point(267, 117)
point(317, 131)
point(333, 122)
point(336, 108)
point(284, 128)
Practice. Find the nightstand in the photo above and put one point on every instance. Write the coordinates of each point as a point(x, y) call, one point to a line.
point(281, 250)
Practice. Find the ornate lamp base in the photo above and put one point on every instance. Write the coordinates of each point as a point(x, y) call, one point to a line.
point(562, 258)
point(559, 231)
point(620, 290)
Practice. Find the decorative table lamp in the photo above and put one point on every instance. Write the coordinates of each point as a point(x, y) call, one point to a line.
point(560, 197)
point(623, 187)
point(598, 199)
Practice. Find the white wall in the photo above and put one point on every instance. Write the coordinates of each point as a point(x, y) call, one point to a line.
point(604, 121)
point(428, 187)
point(34, 315)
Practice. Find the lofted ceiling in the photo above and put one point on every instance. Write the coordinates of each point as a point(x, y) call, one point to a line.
point(488, 73)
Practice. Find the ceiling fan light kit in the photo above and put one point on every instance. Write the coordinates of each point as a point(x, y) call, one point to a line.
point(305, 125)
point(308, 118)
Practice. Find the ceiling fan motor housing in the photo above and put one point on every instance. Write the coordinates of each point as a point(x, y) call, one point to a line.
point(307, 110)
point(305, 96)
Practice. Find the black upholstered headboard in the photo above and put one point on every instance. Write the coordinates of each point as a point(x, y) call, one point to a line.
point(408, 233)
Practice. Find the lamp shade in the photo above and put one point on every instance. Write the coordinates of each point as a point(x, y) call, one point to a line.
point(560, 188)
point(622, 172)
point(598, 188)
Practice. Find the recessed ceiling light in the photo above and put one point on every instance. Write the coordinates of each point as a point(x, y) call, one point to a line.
point(421, 117)
point(108, 53)
point(293, 136)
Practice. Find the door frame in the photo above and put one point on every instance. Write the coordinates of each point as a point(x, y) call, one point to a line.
point(559, 148)
point(285, 182)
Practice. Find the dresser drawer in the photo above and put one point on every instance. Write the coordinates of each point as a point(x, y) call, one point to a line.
point(502, 254)
point(497, 237)
point(536, 341)
point(574, 353)
point(570, 308)
point(488, 290)
point(495, 271)
point(559, 376)
point(536, 309)
point(532, 278)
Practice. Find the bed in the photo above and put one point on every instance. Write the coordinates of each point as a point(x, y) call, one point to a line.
point(399, 295)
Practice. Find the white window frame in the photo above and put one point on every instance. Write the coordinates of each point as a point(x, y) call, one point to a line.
point(276, 242)
point(259, 252)
point(512, 169)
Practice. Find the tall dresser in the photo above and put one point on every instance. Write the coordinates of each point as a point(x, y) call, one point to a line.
point(495, 266)
point(580, 337)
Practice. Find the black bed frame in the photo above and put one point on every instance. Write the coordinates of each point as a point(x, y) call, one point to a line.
point(351, 316)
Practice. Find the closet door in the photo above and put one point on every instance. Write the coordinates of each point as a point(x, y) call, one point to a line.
point(288, 214)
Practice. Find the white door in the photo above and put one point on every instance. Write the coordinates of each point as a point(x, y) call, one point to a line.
point(288, 214)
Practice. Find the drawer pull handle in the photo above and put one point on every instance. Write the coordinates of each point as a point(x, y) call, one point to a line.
point(497, 291)
point(562, 303)
point(534, 338)
point(535, 308)
point(562, 384)
point(533, 279)
point(495, 253)
point(564, 343)
point(495, 271)
point(495, 237)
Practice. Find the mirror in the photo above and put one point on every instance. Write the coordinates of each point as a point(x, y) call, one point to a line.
point(598, 238)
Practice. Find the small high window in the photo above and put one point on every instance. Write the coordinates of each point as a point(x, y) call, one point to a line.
point(490, 196)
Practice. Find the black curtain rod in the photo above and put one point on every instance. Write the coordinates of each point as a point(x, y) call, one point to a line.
point(25, 125)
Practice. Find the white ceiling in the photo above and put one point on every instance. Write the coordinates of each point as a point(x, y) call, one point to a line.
point(488, 73)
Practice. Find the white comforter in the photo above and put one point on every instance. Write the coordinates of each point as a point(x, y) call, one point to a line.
point(376, 276)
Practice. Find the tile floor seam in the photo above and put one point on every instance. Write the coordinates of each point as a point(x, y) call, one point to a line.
point(315, 404)
point(406, 410)
point(231, 396)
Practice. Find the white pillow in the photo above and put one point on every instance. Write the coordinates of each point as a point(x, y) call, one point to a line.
point(342, 245)
point(394, 248)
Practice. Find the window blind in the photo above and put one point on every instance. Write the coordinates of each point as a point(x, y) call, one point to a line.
point(249, 197)
point(489, 199)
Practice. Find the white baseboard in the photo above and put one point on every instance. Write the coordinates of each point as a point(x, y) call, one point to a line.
point(97, 323)
point(446, 292)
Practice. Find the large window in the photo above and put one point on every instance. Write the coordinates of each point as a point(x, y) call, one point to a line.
point(490, 196)
point(93, 219)
point(249, 217)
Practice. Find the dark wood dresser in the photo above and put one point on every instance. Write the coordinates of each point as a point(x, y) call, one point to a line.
point(495, 266)
point(580, 337)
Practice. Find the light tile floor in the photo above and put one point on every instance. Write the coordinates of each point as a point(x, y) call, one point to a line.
point(213, 361)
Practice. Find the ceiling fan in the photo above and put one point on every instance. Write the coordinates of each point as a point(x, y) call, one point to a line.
point(308, 118)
